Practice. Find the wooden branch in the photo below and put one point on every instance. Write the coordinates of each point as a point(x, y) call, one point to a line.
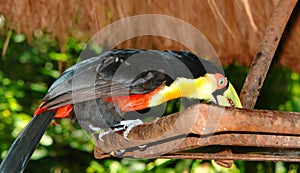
point(261, 63)
point(232, 139)
point(232, 127)
point(233, 156)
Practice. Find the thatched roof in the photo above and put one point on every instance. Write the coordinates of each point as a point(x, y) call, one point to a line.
point(234, 27)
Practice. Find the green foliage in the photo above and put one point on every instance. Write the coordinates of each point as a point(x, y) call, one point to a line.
point(29, 69)
point(281, 89)
point(12, 119)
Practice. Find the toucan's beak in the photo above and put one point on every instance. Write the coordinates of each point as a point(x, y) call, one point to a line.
point(229, 98)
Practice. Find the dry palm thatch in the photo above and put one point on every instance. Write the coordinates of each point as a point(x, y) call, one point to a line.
point(234, 27)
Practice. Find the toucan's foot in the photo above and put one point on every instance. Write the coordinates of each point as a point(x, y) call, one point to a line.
point(101, 134)
point(142, 147)
point(128, 125)
point(94, 128)
point(119, 152)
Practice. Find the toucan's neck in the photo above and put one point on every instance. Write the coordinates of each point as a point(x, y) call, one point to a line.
point(199, 88)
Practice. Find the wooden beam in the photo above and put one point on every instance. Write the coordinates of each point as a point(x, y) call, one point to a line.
point(204, 125)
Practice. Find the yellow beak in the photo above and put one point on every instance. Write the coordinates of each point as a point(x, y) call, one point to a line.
point(201, 88)
point(229, 98)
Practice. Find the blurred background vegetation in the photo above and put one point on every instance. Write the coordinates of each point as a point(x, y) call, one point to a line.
point(27, 69)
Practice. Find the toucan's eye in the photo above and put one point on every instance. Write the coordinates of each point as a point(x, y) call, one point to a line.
point(221, 81)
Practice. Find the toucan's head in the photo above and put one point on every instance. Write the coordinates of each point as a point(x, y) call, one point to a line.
point(223, 93)
point(211, 87)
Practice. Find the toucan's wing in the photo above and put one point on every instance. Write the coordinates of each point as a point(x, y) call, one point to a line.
point(101, 77)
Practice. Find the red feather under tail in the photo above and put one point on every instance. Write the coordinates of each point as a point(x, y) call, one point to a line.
point(61, 112)
point(133, 102)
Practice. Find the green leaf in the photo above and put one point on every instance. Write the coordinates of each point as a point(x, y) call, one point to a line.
point(58, 56)
point(39, 87)
point(19, 38)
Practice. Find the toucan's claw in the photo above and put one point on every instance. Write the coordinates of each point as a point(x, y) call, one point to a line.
point(142, 147)
point(126, 125)
point(119, 152)
point(129, 124)
point(103, 134)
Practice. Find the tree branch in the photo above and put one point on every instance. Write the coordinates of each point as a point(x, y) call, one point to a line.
point(232, 127)
point(261, 63)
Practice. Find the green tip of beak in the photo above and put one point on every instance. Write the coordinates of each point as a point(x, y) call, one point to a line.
point(230, 95)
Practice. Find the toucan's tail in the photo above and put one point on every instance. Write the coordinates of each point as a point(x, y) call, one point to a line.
point(21, 150)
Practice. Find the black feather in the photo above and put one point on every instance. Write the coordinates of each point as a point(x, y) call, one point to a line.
point(21, 150)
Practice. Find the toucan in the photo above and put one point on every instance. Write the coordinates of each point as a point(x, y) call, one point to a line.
point(98, 90)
